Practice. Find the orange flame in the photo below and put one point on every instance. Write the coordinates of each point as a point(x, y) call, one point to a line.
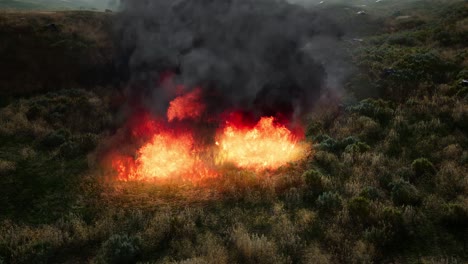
point(169, 153)
point(188, 106)
point(265, 146)
point(166, 155)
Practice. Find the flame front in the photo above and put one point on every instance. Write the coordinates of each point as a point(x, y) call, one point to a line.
point(166, 149)
point(265, 146)
point(165, 156)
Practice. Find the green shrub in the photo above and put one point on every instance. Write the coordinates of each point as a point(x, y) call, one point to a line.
point(377, 109)
point(423, 167)
point(35, 111)
point(316, 183)
point(385, 180)
point(332, 145)
point(120, 249)
point(359, 207)
point(329, 144)
point(404, 193)
point(329, 162)
point(402, 39)
point(329, 202)
point(421, 67)
point(462, 92)
point(392, 216)
point(313, 129)
point(370, 193)
point(449, 36)
point(70, 149)
point(463, 74)
point(314, 179)
point(348, 141)
point(359, 147)
point(405, 173)
point(55, 139)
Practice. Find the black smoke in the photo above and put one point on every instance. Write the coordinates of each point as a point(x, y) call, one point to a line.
point(249, 55)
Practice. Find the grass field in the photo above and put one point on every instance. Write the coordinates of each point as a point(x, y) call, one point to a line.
point(386, 182)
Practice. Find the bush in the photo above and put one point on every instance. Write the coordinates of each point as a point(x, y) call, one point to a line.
point(423, 167)
point(329, 202)
point(120, 249)
point(421, 67)
point(359, 207)
point(449, 36)
point(70, 149)
point(348, 141)
point(328, 144)
point(376, 109)
point(392, 216)
point(370, 193)
point(78, 145)
point(402, 39)
point(359, 147)
point(404, 193)
point(55, 139)
point(314, 180)
point(313, 129)
point(35, 111)
point(462, 92)
point(423, 172)
point(316, 183)
point(329, 162)
point(332, 145)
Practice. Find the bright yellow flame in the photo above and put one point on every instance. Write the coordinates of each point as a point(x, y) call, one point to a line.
point(164, 156)
point(265, 146)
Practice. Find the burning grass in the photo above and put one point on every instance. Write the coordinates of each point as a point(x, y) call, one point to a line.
point(182, 147)
point(171, 154)
point(265, 146)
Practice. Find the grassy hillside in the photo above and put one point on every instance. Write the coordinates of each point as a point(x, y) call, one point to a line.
point(46, 51)
point(386, 183)
point(56, 4)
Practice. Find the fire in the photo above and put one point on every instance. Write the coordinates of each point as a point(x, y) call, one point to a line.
point(188, 106)
point(170, 154)
point(265, 146)
point(165, 150)
point(165, 156)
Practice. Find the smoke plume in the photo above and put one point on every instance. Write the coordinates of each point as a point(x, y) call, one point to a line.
point(264, 57)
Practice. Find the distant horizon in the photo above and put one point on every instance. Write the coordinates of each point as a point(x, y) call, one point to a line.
point(58, 5)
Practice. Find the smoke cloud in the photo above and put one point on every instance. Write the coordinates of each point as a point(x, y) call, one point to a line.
point(265, 57)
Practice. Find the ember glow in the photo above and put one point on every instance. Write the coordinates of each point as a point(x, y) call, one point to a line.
point(265, 146)
point(187, 106)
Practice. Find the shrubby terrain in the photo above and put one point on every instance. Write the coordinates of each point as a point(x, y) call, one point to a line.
point(386, 182)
